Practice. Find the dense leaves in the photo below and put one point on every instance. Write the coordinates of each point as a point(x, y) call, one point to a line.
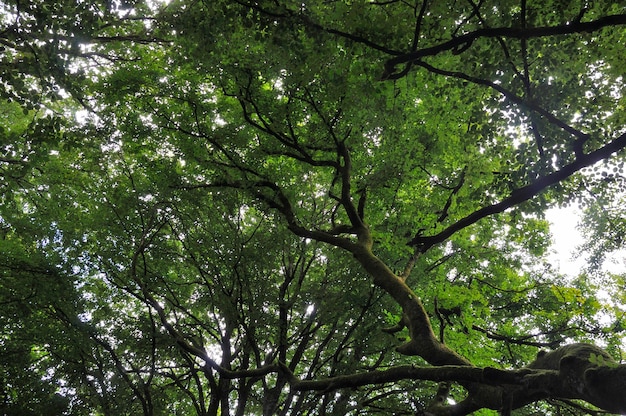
point(325, 207)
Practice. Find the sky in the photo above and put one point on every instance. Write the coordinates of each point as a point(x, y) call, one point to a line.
point(566, 238)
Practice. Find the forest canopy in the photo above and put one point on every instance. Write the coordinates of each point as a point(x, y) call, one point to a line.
point(326, 207)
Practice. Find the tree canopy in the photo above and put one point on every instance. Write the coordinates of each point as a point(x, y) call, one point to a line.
point(241, 207)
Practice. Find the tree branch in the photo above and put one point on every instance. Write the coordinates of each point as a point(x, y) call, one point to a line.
point(511, 96)
point(279, 202)
point(407, 372)
point(522, 194)
point(506, 32)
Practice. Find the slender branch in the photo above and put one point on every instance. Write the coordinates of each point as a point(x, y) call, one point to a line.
point(505, 49)
point(525, 340)
point(444, 212)
point(350, 36)
point(582, 137)
point(278, 200)
point(196, 350)
point(299, 15)
point(534, 128)
point(12, 161)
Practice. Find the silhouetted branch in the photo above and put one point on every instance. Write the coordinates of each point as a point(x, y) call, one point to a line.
point(462, 42)
point(522, 194)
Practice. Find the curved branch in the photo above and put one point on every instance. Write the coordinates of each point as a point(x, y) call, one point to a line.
point(463, 41)
point(582, 137)
point(522, 194)
point(278, 201)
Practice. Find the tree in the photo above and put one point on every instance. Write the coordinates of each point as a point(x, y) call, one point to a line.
point(266, 207)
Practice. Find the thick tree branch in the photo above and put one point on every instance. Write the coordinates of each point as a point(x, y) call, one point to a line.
point(408, 372)
point(506, 32)
point(346, 184)
point(569, 372)
point(423, 341)
point(522, 194)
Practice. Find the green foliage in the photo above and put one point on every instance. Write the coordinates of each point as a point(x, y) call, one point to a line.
point(177, 180)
